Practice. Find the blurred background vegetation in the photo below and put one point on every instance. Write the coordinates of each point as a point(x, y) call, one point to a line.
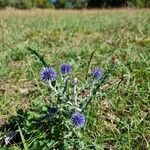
point(74, 4)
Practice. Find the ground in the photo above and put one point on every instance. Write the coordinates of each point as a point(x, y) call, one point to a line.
point(120, 117)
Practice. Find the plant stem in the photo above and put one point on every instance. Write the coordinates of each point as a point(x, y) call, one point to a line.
point(54, 89)
point(75, 92)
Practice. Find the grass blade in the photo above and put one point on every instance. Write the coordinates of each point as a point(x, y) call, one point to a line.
point(23, 139)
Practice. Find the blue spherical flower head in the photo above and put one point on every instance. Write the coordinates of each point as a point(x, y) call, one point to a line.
point(53, 110)
point(48, 74)
point(97, 73)
point(65, 69)
point(78, 119)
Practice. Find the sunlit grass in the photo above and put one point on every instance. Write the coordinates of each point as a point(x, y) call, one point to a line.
point(119, 119)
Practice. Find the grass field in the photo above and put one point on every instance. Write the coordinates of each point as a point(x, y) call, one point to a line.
point(120, 117)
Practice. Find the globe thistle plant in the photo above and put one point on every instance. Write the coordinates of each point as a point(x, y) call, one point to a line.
point(97, 73)
point(78, 119)
point(48, 74)
point(65, 69)
point(64, 98)
point(70, 104)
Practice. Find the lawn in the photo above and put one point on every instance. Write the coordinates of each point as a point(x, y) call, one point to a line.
point(119, 117)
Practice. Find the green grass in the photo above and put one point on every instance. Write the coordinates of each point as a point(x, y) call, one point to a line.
point(120, 117)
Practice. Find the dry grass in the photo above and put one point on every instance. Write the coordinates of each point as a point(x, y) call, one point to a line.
point(53, 12)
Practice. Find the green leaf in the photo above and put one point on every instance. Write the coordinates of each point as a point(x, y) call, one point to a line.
point(23, 140)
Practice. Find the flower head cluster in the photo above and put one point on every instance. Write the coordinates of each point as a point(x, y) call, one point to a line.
point(78, 119)
point(65, 69)
point(48, 74)
point(97, 73)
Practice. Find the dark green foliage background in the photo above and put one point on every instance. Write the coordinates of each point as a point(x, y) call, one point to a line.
point(28, 4)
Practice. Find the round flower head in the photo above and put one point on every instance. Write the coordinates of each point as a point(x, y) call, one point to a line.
point(78, 119)
point(48, 74)
point(97, 73)
point(52, 110)
point(65, 69)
